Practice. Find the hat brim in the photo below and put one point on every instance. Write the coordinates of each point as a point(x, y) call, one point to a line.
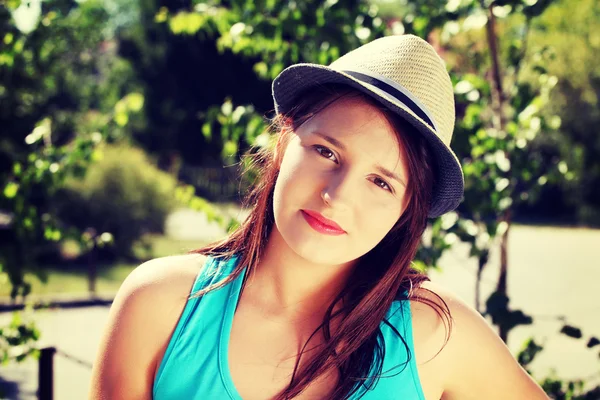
point(449, 182)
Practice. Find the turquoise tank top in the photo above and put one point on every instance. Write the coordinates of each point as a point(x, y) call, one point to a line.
point(195, 363)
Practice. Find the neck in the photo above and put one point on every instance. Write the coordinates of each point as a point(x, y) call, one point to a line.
point(291, 287)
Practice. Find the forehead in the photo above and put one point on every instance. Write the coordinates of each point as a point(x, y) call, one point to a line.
point(362, 129)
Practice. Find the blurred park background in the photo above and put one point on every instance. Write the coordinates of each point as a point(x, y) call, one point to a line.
point(124, 124)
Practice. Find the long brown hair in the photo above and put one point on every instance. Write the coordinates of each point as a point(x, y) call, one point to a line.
point(355, 348)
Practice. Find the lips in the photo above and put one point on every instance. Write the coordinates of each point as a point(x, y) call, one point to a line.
point(322, 224)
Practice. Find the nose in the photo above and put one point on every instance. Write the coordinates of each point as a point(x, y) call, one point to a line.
point(338, 191)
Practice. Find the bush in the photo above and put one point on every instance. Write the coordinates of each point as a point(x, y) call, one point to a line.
point(123, 194)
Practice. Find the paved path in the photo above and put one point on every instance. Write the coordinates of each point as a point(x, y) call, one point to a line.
point(76, 332)
point(552, 272)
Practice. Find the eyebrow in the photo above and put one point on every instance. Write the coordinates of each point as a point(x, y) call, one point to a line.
point(331, 140)
point(381, 169)
point(390, 174)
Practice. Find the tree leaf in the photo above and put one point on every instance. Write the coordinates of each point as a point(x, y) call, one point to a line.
point(571, 331)
point(592, 342)
point(10, 190)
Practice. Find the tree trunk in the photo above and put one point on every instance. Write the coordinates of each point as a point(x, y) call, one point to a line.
point(502, 286)
point(502, 278)
point(481, 265)
point(497, 89)
point(92, 269)
point(498, 100)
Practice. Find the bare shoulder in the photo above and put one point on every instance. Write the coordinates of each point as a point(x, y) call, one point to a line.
point(464, 351)
point(167, 274)
point(161, 285)
point(440, 315)
point(140, 323)
point(441, 321)
point(432, 310)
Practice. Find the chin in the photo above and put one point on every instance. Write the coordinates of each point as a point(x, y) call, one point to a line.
point(321, 255)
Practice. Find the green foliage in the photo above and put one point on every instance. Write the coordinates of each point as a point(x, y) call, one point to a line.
point(186, 194)
point(59, 83)
point(556, 388)
point(280, 33)
point(59, 101)
point(18, 338)
point(571, 36)
point(529, 351)
point(232, 50)
point(123, 193)
point(31, 188)
point(436, 242)
point(235, 125)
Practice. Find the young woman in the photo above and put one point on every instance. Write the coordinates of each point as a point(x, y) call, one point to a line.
point(314, 297)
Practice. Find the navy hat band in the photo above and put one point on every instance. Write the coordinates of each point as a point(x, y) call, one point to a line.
point(394, 92)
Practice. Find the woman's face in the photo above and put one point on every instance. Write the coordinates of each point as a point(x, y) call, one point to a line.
point(342, 183)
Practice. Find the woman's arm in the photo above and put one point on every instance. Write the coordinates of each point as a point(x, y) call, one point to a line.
point(477, 362)
point(140, 323)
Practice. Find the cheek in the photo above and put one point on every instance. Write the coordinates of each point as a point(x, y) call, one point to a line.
point(294, 180)
point(376, 221)
point(291, 167)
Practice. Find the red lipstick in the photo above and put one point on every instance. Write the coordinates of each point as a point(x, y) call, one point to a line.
point(321, 224)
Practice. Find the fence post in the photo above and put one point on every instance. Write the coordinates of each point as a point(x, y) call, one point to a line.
point(46, 374)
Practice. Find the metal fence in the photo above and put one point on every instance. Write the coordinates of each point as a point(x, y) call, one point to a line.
point(46, 370)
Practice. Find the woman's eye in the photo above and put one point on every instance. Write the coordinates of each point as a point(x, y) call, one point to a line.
point(382, 184)
point(326, 153)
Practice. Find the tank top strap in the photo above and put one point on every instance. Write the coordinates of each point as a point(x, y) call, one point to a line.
point(399, 364)
point(213, 270)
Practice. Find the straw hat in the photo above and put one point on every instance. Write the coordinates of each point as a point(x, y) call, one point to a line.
point(405, 74)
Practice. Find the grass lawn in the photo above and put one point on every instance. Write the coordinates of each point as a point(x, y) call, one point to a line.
point(109, 279)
